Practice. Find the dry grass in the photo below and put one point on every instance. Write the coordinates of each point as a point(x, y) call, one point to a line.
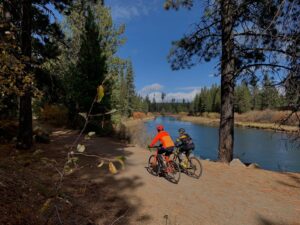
point(268, 116)
point(267, 119)
point(54, 114)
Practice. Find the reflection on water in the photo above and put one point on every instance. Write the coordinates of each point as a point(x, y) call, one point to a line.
point(270, 150)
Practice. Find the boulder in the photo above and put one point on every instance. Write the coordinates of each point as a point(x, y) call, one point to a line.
point(41, 135)
point(237, 162)
point(254, 166)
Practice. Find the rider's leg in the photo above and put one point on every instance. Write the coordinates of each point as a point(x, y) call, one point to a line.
point(168, 152)
point(160, 158)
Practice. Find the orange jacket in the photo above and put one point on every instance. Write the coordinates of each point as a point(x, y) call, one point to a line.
point(164, 138)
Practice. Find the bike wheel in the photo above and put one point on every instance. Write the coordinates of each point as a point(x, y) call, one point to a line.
point(153, 165)
point(195, 167)
point(173, 172)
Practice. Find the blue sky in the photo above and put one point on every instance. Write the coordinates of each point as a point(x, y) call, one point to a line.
point(149, 31)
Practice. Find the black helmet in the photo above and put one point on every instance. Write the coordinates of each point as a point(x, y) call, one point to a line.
point(181, 130)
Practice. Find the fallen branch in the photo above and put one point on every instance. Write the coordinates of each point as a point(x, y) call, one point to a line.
point(119, 218)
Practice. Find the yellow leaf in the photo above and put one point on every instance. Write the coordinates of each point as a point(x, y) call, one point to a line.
point(112, 168)
point(100, 93)
point(46, 205)
point(122, 163)
point(121, 160)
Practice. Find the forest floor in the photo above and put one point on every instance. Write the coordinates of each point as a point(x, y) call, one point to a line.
point(231, 195)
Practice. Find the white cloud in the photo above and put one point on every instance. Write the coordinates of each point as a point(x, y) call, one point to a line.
point(150, 88)
point(189, 88)
point(154, 91)
point(179, 96)
point(126, 10)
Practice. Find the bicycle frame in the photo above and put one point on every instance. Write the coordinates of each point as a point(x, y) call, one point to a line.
point(166, 158)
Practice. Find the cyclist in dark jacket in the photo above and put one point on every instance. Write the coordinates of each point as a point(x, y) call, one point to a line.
point(184, 143)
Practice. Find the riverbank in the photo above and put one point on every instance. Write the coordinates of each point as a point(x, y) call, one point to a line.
point(91, 195)
point(257, 125)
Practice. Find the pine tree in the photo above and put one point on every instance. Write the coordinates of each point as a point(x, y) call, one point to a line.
point(244, 41)
point(37, 39)
point(91, 66)
point(242, 98)
point(269, 94)
point(130, 88)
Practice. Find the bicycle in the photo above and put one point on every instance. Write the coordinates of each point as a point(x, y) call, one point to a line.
point(191, 165)
point(168, 167)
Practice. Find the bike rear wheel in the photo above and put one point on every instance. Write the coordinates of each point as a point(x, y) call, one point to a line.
point(194, 168)
point(173, 172)
point(153, 165)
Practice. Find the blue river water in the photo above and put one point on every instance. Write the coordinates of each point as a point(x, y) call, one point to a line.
point(270, 150)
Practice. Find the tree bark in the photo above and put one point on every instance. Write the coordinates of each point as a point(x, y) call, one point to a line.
point(226, 130)
point(25, 110)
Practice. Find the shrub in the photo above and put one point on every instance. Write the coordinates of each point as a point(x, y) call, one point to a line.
point(54, 114)
point(138, 115)
point(268, 116)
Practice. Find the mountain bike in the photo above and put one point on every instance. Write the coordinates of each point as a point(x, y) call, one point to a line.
point(191, 165)
point(168, 167)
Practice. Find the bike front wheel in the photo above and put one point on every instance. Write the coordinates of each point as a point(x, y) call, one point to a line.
point(173, 172)
point(153, 165)
point(194, 168)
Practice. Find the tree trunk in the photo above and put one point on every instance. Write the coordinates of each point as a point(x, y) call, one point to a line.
point(25, 110)
point(226, 130)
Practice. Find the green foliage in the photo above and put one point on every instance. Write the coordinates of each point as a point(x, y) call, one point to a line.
point(242, 98)
point(269, 95)
point(90, 69)
point(133, 104)
point(208, 100)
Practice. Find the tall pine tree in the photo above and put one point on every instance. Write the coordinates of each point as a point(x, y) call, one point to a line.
point(244, 41)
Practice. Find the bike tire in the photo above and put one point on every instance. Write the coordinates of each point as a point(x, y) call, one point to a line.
point(153, 165)
point(173, 172)
point(195, 168)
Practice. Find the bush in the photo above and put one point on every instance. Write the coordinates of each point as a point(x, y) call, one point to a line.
point(138, 115)
point(54, 114)
point(268, 116)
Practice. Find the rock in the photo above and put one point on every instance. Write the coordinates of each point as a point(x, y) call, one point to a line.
point(42, 138)
point(41, 135)
point(237, 162)
point(254, 166)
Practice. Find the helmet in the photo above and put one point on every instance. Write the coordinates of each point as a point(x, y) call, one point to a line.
point(159, 128)
point(181, 130)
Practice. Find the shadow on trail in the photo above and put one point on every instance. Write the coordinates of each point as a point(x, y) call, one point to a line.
point(91, 195)
point(264, 221)
point(153, 172)
point(294, 181)
point(101, 200)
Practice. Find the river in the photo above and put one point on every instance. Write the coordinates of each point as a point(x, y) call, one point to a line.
point(270, 150)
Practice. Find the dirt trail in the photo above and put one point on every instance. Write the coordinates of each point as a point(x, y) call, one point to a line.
point(222, 196)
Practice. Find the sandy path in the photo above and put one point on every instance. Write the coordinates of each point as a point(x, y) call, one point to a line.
point(223, 195)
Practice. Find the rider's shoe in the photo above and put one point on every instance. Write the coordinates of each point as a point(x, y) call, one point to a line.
point(161, 174)
point(183, 164)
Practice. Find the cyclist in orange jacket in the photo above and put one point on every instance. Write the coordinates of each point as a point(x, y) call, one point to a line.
point(167, 144)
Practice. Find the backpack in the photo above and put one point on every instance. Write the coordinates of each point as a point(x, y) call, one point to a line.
point(187, 142)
